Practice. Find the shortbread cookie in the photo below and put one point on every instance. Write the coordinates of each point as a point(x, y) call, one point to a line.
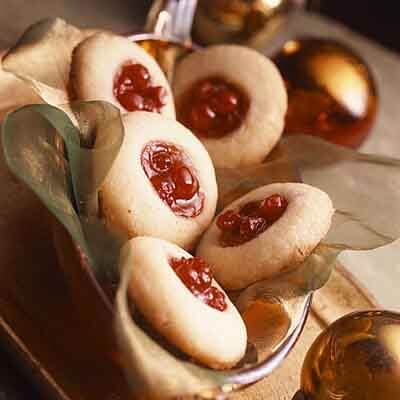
point(176, 293)
point(114, 69)
point(268, 230)
point(234, 99)
point(162, 182)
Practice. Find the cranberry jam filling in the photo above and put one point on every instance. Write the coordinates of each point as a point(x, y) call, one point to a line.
point(197, 277)
point(250, 221)
point(172, 175)
point(213, 107)
point(134, 91)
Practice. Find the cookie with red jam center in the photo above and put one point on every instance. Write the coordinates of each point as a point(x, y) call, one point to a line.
point(269, 230)
point(179, 297)
point(234, 99)
point(112, 68)
point(161, 184)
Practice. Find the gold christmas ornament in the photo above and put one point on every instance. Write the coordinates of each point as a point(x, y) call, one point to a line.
point(250, 22)
point(356, 358)
point(331, 91)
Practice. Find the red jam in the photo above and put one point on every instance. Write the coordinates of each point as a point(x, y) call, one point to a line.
point(252, 219)
point(196, 275)
point(213, 107)
point(134, 91)
point(172, 175)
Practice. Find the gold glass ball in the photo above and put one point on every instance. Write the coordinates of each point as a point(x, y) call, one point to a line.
point(250, 22)
point(331, 91)
point(356, 358)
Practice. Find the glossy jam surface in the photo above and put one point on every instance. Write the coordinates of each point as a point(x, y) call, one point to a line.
point(331, 91)
point(213, 107)
point(134, 90)
point(196, 274)
point(172, 175)
point(238, 227)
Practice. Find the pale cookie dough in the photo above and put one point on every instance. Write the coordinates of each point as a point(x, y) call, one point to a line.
point(259, 78)
point(129, 202)
point(97, 60)
point(215, 338)
point(284, 244)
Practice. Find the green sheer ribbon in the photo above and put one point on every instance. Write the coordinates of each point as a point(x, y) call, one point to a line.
point(62, 165)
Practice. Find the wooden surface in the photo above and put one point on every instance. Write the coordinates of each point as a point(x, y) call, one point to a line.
point(25, 236)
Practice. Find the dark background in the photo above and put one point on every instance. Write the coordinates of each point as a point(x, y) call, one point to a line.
point(378, 20)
